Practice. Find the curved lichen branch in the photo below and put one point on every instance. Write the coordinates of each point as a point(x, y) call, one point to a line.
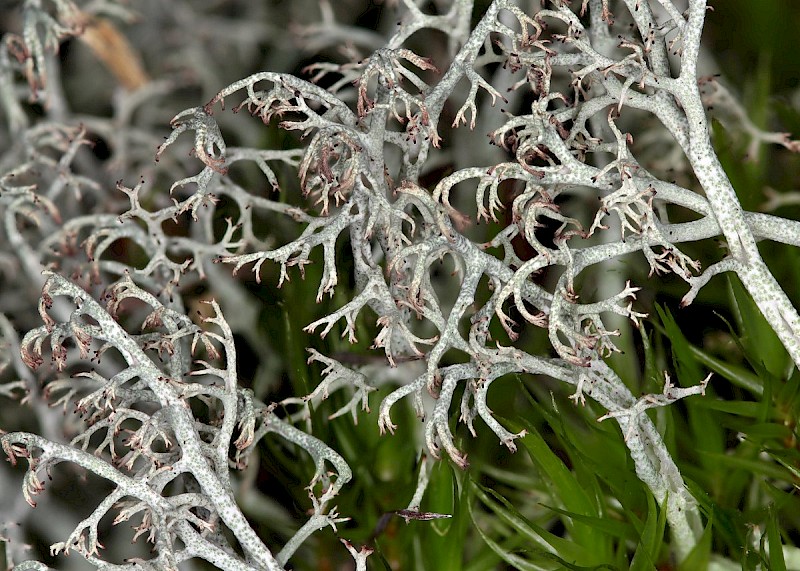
point(670, 394)
point(42, 33)
point(334, 376)
point(151, 383)
point(209, 146)
point(287, 94)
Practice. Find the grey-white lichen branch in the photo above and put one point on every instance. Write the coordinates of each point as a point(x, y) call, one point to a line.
point(582, 75)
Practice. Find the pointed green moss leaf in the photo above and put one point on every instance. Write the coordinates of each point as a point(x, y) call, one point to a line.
point(700, 555)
